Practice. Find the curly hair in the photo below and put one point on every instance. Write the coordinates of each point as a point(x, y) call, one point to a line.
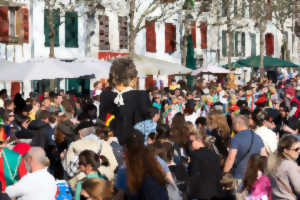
point(122, 71)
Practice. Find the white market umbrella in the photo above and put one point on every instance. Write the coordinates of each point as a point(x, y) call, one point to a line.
point(88, 66)
point(151, 66)
point(36, 69)
point(210, 69)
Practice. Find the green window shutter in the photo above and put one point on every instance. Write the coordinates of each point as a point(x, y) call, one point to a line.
point(232, 43)
point(224, 43)
point(71, 29)
point(46, 28)
point(236, 43)
point(56, 21)
point(243, 44)
point(253, 44)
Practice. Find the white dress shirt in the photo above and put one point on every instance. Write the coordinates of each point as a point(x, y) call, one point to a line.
point(39, 185)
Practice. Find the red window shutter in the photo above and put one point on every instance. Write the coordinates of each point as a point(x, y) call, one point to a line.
point(203, 30)
point(193, 33)
point(150, 36)
point(170, 38)
point(4, 33)
point(15, 89)
point(25, 24)
point(149, 81)
point(269, 38)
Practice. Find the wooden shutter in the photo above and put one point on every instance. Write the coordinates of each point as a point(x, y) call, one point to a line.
point(224, 43)
point(150, 36)
point(243, 44)
point(149, 82)
point(71, 29)
point(4, 25)
point(193, 33)
point(123, 32)
point(104, 32)
point(56, 22)
point(170, 38)
point(236, 43)
point(203, 30)
point(269, 38)
point(22, 25)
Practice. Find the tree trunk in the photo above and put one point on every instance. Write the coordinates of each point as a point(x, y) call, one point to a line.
point(52, 32)
point(184, 44)
point(262, 52)
point(132, 31)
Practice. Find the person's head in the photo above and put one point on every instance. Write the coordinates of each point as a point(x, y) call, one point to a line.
point(163, 133)
point(201, 122)
point(85, 128)
point(97, 189)
point(240, 123)
point(197, 139)
point(122, 73)
point(140, 162)
point(8, 116)
point(256, 165)
point(44, 116)
point(154, 114)
point(89, 161)
point(164, 150)
point(35, 106)
point(179, 130)
point(157, 98)
point(289, 147)
point(36, 159)
point(151, 138)
point(46, 102)
point(58, 99)
point(46, 94)
point(262, 118)
point(217, 120)
point(9, 104)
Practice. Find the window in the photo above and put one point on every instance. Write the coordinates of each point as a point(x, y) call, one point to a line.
point(71, 29)
point(193, 33)
point(269, 38)
point(243, 44)
point(150, 36)
point(224, 43)
point(104, 32)
point(203, 30)
point(236, 43)
point(4, 30)
point(123, 32)
point(56, 22)
point(170, 38)
point(22, 25)
point(253, 43)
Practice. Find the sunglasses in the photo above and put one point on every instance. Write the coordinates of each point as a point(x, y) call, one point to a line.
point(296, 149)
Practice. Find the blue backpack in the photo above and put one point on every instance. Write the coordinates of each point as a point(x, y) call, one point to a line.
point(64, 191)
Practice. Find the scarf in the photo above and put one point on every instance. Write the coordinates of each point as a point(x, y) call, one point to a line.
point(119, 101)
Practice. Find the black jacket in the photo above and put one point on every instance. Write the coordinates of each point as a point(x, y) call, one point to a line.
point(205, 174)
point(42, 134)
point(136, 109)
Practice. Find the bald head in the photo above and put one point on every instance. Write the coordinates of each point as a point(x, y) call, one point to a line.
point(38, 156)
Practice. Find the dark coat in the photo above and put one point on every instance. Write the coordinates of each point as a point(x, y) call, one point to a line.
point(205, 174)
point(42, 134)
point(136, 109)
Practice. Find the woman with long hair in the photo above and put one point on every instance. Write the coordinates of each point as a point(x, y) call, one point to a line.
point(97, 189)
point(256, 183)
point(217, 124)
point(146, 178)
point(89, 162)
point(283, 169)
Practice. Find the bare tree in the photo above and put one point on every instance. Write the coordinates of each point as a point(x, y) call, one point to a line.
point(260, 12)
point(229, 13)
point(157, 10)
point(282, 11)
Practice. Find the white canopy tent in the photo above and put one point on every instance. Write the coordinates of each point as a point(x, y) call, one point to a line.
point(152, 66)
point(210, 69)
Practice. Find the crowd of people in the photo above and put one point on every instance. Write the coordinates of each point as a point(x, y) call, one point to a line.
point(212, 142)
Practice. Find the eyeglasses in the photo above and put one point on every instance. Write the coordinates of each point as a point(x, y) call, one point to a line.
point(296, 149)
point(11, 115)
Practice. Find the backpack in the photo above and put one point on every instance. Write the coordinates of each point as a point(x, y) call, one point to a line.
point(64, 191)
